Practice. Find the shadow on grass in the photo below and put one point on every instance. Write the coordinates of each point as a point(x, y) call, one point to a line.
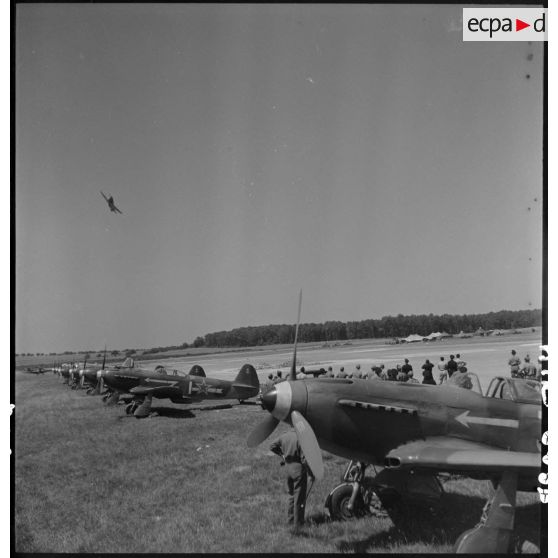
point(419, 523)
point(172, 412)
point(442, 524)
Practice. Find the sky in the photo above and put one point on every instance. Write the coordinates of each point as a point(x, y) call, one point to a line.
point(362, 153)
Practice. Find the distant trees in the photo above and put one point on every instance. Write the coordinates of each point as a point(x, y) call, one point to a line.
point(385, 327)
point(115, 353)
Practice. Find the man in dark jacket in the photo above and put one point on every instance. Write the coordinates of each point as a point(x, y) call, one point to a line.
point(452, 366)
point(427, 377)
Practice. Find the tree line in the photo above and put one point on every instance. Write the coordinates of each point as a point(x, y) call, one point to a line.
point(385, 327)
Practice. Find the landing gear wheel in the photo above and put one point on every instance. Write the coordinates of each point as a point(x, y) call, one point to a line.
point(339, 504)
point(130, 408)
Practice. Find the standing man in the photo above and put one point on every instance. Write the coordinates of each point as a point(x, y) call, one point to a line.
point(406, 368)
point(427, 377)
point(287, 447)
point(443, 368)
point(452, 366)
point(342, 373)
point(514, 364)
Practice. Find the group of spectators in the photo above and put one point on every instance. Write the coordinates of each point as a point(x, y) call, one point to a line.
point(398, 373)
point(527, 370)
point(404, 372)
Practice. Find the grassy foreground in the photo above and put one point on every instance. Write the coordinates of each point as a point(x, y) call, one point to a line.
point(88, 478)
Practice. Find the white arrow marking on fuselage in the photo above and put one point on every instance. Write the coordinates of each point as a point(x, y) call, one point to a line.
point(465, 420)
point(171, 383)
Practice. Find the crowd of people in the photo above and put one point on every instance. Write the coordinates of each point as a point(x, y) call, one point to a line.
point(445, 368)
point(526, 370)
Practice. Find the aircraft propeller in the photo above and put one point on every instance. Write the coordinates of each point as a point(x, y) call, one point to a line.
point(293, 366)
point(82, 374)
point(304, 433)
point(100, 381)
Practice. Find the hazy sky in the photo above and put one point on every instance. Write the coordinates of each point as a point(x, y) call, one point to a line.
point(363, 153)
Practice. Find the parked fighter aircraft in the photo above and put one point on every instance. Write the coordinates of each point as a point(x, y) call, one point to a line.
point(415, 431)
point(175, 385)
point(110, 202)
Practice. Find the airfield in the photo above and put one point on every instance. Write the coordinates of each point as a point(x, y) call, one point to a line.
point(486, 356)
point(88, 478)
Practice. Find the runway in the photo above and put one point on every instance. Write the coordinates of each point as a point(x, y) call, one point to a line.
point(486, 356)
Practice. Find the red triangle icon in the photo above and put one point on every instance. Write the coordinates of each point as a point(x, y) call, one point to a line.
point(519, 25)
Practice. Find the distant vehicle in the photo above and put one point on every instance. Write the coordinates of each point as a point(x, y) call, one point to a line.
point(175, 385)
point(110, 202)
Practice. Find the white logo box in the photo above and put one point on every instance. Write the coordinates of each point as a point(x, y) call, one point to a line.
point(502, 24)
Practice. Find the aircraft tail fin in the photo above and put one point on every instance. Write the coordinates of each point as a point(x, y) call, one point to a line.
point(246, 384)
point(197, 370)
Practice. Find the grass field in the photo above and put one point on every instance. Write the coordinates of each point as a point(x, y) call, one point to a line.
point(88, 478)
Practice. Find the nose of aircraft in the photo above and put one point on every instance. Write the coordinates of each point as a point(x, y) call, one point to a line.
point(285, 397)
point(269, 399)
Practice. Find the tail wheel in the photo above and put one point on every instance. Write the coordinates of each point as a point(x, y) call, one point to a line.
point(339, 504)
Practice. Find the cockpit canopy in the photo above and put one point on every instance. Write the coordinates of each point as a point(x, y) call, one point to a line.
point(515, 389)
point(467, 380)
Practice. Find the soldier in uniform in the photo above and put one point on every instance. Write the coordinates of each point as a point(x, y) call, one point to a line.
point(529, 370)
point(514, 364)
point(288, 447)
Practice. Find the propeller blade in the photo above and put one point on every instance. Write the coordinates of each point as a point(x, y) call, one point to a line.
point(104, 357)
point(309, 444)
point(100, 385)
point(262, 431)
point(293, 367)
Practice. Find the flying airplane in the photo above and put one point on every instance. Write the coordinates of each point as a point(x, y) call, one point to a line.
point(174, 385)
point(110, 202)
point(415, 431)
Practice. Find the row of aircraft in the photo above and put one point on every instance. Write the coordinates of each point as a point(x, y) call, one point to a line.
point(410, 432)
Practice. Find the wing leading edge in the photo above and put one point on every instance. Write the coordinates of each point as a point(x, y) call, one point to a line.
point(453, 455)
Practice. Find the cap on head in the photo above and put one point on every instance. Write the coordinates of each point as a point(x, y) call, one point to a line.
point(527, 358)
point(342, 368)
point(406, 361)
point(513, 351)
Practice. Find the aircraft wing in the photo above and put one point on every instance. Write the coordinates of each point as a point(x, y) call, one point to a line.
point(148, 390)
point(103, 194)
point(455, 455)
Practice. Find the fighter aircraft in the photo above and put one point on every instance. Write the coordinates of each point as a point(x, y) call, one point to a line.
point(415, 431)
point(175, 385)
point(110, 202)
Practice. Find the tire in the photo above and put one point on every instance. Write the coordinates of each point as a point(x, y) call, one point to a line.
point(339, 501)
point(129, 408)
